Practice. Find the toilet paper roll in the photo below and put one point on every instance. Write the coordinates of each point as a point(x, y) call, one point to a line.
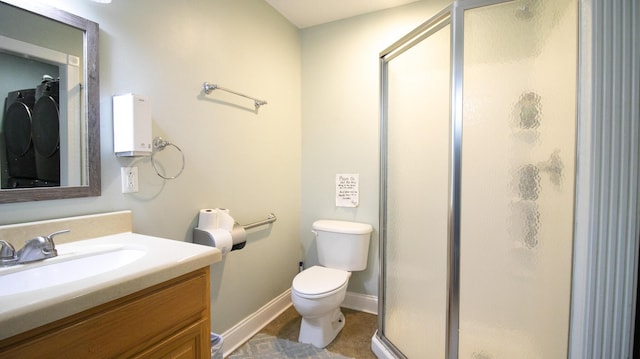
point(221, 240)
point(225, 221)
point(238, 234)
point(212, 218)
point(208, 218)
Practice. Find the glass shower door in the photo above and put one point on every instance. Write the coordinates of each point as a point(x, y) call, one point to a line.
point(477, 182)
point(417, 195)
point(517, 179)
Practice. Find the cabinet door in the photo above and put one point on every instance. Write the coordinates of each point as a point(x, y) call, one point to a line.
point(177, 309)
point(186, 344)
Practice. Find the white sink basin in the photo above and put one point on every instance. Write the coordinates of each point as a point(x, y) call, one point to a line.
point(66, 268)
point(91, 272)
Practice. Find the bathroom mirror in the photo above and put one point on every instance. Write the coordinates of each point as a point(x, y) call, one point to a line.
point(49, 119)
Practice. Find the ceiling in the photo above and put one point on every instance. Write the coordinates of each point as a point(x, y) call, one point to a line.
point(306, 13)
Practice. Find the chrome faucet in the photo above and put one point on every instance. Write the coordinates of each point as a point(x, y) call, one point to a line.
point(35, 249)
point(7, 254)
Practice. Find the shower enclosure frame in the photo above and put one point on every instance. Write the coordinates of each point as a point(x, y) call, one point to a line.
point(431, 26)
point(452, 15)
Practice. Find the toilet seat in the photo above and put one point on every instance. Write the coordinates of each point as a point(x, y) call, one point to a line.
point(319, 282)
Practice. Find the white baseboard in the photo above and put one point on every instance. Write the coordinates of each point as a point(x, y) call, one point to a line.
point(361, 302)
point(251, 325)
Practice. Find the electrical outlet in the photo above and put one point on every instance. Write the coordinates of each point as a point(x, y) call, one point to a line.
point(129, 177)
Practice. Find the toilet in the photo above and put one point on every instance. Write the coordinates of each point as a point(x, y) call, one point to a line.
point(318, 291)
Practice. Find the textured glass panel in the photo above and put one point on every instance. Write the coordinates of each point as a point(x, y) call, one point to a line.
point(518, 151)
point(417, 198)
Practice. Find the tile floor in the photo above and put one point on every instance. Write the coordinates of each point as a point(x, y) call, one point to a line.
point(353, 341)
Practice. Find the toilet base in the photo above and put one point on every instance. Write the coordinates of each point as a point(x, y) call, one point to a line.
point(320, 331)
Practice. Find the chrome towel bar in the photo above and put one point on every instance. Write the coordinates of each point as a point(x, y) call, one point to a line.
point(207, 88)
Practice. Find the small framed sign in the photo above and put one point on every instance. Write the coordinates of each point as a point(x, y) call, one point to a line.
point(347, 190)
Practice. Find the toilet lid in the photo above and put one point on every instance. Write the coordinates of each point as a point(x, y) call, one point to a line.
point(318, 280)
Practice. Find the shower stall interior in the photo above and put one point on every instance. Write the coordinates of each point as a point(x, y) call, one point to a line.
point(478, 149)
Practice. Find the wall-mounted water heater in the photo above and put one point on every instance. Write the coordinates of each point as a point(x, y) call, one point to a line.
point(131, 125)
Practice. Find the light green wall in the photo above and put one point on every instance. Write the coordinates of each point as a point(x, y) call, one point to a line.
point(322, 118)
point(235, 158)
point(340, 119)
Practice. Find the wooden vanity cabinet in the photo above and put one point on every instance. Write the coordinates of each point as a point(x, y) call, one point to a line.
point(168, 320)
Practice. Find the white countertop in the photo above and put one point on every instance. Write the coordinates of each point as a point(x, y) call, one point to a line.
point(164, 259)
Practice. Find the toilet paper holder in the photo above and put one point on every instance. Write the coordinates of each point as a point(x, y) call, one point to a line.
point(238, 233)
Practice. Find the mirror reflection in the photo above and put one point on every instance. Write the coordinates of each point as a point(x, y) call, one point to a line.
point(39, 133)
point(49, 129)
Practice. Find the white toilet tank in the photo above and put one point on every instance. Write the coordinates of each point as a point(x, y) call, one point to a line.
point(342, 245)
